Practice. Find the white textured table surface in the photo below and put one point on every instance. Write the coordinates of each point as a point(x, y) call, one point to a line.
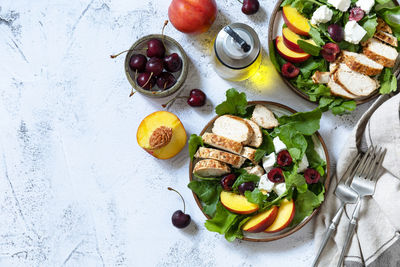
point(75, 188)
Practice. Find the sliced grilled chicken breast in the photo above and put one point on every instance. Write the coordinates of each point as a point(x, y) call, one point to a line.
point(380, 52)
point(386, 37)
point(338, 90)
point(361, 63)
point(222, 143)
point(264, 117)
point(211, 168)
point(320, 77)
point(353, 82)
point(234, 128)
point(257, 137)
point(211, 153)
point(383, 26)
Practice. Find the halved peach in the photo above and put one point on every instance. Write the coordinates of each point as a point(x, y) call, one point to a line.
point(295, 21)
point(283, 218)
point(161, 134)
point(290, 39)
point(261, 221)
point(237, 203)
point(288, 54)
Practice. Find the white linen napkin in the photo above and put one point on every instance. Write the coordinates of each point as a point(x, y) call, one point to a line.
point(377, 238)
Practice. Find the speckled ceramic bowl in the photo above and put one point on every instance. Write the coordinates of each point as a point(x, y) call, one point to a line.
point(171, 46)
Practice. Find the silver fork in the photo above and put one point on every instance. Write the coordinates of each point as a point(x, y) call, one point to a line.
point(346, 195)
point(364, 184)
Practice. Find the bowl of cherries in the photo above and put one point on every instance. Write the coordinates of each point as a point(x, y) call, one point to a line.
point(156, 65)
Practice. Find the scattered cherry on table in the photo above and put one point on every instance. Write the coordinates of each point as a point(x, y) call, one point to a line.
point(179, 218)
point(250, 7)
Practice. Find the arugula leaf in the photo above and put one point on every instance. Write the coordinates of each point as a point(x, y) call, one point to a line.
point(315, 35)
point(305, 204)
point(314, 159)
point(295, 179)
point(244, 177)
point(324, 102)
point(235, 231)
point(222, 220)
point(255, 196)
point(207, 178)
point(266, 147)
point(388, 82)
point(208, 192)
point(370, 26)
point(306, 123)
point(287, 2)
point(310, 65)
point(194, 142)
point(308, 47)
point(294, 141)
point(235, 103)
point(274, 57)
point(344, 107)
point(344, 45)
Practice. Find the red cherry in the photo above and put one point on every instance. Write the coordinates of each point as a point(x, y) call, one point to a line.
point(284, 159)
point(196, 98)
point(146, 80)
point(312, 176)
point(227, 181)
point(250, 7)
point(356, 14)
point(330, 51)
point(155, 48)
point(289, 70)
point(276, 175)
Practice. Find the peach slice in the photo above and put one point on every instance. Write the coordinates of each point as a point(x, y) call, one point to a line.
point(237, 203)
point(283, 218)
point(161, 134)
point(288, 54)
point(261, 221)
point(290, 39)
point(295, 21)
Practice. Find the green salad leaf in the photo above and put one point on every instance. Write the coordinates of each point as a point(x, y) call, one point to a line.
point(314, 159)
point(315, 35)
point(207, 178)
point(235, 103)
point(222, 220)
point(266, 147)
point(306, 123)
point(369, 24)
point(391, 15)
point(208, 192)
point(194, 142)
point(292, 178)
point(305, 203)
point(388, 82)
point(244, 177)
point(235, 231)
point(255, 196)
point(273, 56)
point(294, 140)
point(309, 48)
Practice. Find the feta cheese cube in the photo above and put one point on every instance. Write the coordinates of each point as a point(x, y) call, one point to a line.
point(321, 15)
point(353, 32)
point(265, 183)
point(365, 5)
point(278, 144)
point(303, 164)
point(256, 170)
point(342, 5)
point(280, 188)
point(269, 161)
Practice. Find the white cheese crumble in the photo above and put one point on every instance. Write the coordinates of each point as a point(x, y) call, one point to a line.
point(353, 33)
point(269, 161)
point(265, 183)
point(322, 15)
point(365, 5)
point(279, 145)
point(303, 164)
point(342, 5)
point(280, 188)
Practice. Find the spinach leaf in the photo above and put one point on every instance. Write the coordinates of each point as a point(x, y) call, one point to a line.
point(244, 177)
point(235, 231)
point(208, 192)
point(255, 196)
point(305, 204)
point(344, 45)
point(266, 147)
point(308, 47)
point(292, 178)
point(388, 82)
point(222, 220)
point(235, 103)
point(370, 26)
point(314, 159)
point(294, 141)
point(207, 178)
point(306, 123)
point(272, 56)
point(391, 15)
point(194, 142)
point(310, 65)
point(315, 35)
point(343, 108)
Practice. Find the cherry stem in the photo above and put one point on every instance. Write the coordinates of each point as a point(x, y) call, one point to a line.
point(240, 2)
point(148, 80)
point(162, 31)
point(184, 206)
point(116, 55)
point(132, 93)
point(172, 99)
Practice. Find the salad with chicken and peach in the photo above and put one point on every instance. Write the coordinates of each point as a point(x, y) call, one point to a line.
point(338, 52)
point(253, 171)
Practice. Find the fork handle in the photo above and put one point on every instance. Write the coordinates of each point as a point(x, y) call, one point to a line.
point(350, 232)
point(328, 233)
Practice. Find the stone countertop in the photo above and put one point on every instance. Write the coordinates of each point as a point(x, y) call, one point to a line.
point(75, 188)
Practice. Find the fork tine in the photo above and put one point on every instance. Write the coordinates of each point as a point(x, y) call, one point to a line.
point(351, 170)
point(369, 164)
point(378, 165)
point(364, 159)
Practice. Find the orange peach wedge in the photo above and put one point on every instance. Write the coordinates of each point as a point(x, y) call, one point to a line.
point(237, 203)
point(295, 21)
point(161, 134)
point(283, 218)
point(290, 39)
point(288, 54)
point(261, 221)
